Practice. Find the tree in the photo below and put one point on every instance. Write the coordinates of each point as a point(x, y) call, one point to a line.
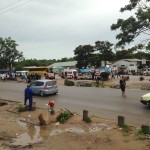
point(142, 55)
point(65, 59)
point(33, 62)
point(134, 26)
point(9, 53)
point(83, 55)
point(105, 49)
point(123, 54)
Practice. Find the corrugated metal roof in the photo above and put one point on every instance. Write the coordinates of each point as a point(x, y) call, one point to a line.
point(64, 64)
point(132, 60)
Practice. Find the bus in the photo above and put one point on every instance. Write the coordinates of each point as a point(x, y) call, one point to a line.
point(40, 70)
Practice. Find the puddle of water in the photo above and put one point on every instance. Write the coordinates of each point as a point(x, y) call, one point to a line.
point(32, 136)
point(36, 134)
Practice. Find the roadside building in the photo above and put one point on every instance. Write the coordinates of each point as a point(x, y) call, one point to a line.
point(127, 66)
point(60, 66)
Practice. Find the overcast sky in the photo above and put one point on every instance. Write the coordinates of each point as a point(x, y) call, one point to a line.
point(52, 29)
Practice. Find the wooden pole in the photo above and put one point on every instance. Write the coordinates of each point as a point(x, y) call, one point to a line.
point(121, 121)
point(85, 115)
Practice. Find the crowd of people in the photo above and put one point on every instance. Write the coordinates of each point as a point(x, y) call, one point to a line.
point(20, 77)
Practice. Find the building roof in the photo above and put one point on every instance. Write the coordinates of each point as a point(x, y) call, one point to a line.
point(64, 64)
point(132, 60)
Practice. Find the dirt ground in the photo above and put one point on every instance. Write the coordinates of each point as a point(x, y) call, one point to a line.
point(21, 130)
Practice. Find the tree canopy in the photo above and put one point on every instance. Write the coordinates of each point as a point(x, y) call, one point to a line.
point(87, 55)
point(83, 55)
point(8, 53)
point(136, 25)
point(105, 50)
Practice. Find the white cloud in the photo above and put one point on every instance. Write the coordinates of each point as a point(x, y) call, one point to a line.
point(52, 29)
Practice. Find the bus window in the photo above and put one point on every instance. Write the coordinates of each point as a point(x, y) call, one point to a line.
point(42, 70)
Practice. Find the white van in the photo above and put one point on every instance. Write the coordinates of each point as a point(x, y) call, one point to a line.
point(70, 74)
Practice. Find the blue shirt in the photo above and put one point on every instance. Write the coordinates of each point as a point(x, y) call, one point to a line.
point(28, 93)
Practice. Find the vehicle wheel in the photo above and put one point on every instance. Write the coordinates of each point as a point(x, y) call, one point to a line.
point(41, 93)
point(55, 93)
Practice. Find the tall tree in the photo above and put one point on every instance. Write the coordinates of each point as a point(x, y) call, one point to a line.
point(105, 50)
point(9, 53)
point(136, 25)
point(123, 54)
point(83, 55)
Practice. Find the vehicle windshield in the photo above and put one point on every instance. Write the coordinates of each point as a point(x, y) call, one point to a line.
point(51, 83)
point(69, 72)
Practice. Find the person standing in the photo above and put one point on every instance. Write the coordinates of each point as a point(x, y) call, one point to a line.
point(28, 96)
point(123, 86)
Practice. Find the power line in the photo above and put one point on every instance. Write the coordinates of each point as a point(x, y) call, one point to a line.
point(16, 7)
point(9, 5)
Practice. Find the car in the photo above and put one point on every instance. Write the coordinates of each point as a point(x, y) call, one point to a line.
point(145, 99)
point(44, 87)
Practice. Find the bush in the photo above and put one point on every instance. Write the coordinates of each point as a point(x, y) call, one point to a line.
point(141, 78)
point(68, 82)
point(84, 84)
point(104, 76)
point(88, 120)
point(126, 128)
point(20, 108)
point(145, 129)
point(63, 116)
point(100, 84)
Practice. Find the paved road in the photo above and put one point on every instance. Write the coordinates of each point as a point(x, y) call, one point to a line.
point(103, 102)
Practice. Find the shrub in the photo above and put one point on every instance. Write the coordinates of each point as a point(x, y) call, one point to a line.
point(63, 116)
point(84, 84)
point(145, 129)
point(20, 108)
point(88, 120)
point(68, 82)
point(100, 84)
point(126, 128)
point(104, 76)
point(141, 78)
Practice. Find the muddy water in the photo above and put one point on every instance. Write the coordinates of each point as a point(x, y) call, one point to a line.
point(36, 134)
point(31, 136)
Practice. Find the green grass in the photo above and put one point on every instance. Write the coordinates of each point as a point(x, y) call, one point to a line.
point(126, 128)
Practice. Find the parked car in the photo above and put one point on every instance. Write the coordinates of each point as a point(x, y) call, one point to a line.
point(145, 99)
point(44, 87)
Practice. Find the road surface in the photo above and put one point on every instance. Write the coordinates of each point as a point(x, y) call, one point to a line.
point(102, 102)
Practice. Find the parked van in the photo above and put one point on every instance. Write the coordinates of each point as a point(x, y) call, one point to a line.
point(70, 74)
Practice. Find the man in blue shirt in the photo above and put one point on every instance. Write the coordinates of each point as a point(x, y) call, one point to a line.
point(28, 95)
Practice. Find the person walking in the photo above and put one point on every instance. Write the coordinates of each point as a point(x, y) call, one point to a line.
point(28, 96)
point(123, 86)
